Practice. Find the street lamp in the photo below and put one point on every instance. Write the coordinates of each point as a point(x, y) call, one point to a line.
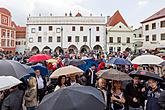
point(61, 37)
point(90, 38)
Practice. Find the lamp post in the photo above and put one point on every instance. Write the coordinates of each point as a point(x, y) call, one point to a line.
point(61, 37)
point(90, 38)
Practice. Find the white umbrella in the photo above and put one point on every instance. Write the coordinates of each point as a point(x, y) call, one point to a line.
point(66, 71)
point(6, 82)
point(147, 59)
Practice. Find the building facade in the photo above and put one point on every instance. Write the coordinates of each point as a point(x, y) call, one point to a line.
point(138, 38)
point(119, 34)
point(20, 39)
point(154, 30)
point(7, 31)
point(66, 33)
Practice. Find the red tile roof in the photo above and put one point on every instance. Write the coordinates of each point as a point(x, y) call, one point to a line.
point(5, 11)
point(20, 28)
point(115, 19)
point(78, 14)
point(159, 14)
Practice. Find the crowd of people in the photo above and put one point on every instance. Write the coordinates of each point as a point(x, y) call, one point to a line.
point(136, 94)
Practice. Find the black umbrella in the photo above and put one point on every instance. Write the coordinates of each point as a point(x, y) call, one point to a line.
point(12, 68)
point(145, 75)
point(73, 98)
point(75, 62)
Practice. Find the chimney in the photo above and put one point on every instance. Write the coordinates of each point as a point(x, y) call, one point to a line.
point(65, 14)
point(50, 14)
point(40, 14)
point(90, 14)
point(70, 14)
point(101, 14)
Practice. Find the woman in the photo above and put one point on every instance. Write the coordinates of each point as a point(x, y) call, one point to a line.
point(117, 98)
point(31, 94)
point(61, 82)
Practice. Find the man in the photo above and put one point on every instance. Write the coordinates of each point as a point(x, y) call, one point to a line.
point(91, 76)
point(41, 85)
point(14, 100)
point(134, 97)
point(73, 80)
point(153, 94)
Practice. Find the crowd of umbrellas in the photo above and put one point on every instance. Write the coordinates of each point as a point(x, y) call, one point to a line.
point(13, 73)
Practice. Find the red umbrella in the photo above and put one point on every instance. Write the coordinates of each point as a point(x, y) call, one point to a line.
point(39, 57)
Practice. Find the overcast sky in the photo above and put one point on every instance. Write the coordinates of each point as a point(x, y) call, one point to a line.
point(133, 11)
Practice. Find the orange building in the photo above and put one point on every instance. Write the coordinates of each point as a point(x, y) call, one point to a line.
point(7, 31)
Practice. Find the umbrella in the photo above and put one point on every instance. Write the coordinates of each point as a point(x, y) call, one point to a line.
point(74, 62)
point(12, 68)
point(39, 57)
point(147, 59)
point(29, 69)
point(73, 98)
point(43, 70)
point(163, 63)
point(113, 74)
point(145, 75)
point(88, 64)
point(53, 61)
point(6, 82)
point(66, 71)
point(119, 61)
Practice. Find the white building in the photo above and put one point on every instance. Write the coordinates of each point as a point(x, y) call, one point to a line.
point(119, 34)
point(138, 38)
point(21, 39)
point(154, 30)
point(66, 33)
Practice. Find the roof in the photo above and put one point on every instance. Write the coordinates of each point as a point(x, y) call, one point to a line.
point(115, 19)
point(159, 14)
point(13, 24)
point(20, 28)
point(5, 11)
point(78, 14)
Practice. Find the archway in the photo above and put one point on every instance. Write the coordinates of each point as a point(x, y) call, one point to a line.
point(35, 49)
point(46, 50)
point(97, 47)
point(72, 49)
point(84, 49)
point(58, 50)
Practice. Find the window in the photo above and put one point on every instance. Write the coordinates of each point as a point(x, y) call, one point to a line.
point(147, 38)
point(162, 23)
point(97, 28)
point(39, 28)
point(57, 30)
point(73, 28)
point(153, 25)
point(118, 49)
point(39, 39)
point(81, 28)
point(110, 49)
point(77, 39)
point(24, 42)
point(119, 26)
point(33, 30)
point(146, 27)
point(30, 40)
point(8, 34)
point(162, 36)
point(128, 40)
point(58, 39)
point(134, 35)
point(118, 39)
point(69, 39)
point(84, 38)
point(4, 33)
point(140, 35)
point(50, 28)
point(154, 37)
point(110, 39)
point(8, 42)
point(97, 38)
point(50, 39)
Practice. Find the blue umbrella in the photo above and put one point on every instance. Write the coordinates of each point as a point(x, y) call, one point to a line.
point(88, 64)
point(29, 69)
point(119, 61)
point(43, 70)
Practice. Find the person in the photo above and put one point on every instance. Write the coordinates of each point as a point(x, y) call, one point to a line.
point(31, 94)
point(91, 76)
point(41, 85)
point(1, 98)
point(102, 87)
point(117, 98)
point(152, 95)
point(162, 100)
point(135, 98)
point(14, 100)
point(61, 82)
point(72, 80)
